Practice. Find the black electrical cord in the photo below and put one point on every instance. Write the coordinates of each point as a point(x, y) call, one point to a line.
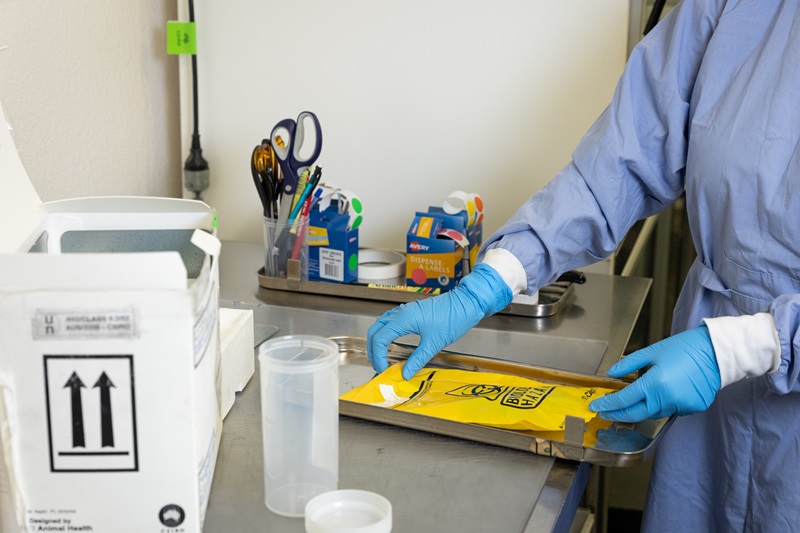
point(195, 113)
point(655, 15)
point(195, 169)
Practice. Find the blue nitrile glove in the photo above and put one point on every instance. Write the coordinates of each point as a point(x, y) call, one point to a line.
point(683, 379)
point(438, 320)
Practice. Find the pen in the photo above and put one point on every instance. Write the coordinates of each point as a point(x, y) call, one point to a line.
point(312, 183)
point(317, 196)
point(301, 231)
point(293, 215)
point(297, 197)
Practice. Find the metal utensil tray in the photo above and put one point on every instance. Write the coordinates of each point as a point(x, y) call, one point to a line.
point(618, 444)
point(551, 298)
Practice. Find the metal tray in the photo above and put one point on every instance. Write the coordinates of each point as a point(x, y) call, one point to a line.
point(619, 445)
point(551, 298)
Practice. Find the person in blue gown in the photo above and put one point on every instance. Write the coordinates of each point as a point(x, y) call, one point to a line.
point(709, 105)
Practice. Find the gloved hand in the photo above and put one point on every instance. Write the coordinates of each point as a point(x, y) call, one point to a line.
point(683, 379)
point(438, 320)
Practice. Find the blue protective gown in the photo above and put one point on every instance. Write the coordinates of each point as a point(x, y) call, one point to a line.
point(709, 102)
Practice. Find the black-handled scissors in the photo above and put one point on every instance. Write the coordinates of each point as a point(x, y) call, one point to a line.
point(287, 141)
point(266, 177)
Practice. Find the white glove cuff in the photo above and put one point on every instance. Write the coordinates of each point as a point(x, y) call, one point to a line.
point(508, 267)
point(746, 346)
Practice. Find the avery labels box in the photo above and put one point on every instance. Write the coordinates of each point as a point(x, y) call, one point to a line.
point(109, 356)
point(433, 260)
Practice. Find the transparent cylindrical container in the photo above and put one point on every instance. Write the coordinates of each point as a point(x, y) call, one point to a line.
point(300, 420)
point(285, 243)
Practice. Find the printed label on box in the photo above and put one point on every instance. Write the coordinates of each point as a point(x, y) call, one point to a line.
point(317, 236)
point(332, 247)
point(331, 264)
point(91, 413)
point(82, 324)
point(58, 520)
point(425, 226)
point(438, 270)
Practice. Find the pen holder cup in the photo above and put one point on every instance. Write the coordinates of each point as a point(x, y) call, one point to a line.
point(286, 248)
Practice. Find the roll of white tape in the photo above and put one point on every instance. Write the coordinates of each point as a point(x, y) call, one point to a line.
point(380, 264)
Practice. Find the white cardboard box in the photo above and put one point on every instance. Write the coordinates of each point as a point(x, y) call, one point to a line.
point(109, 360)
point(238, 355)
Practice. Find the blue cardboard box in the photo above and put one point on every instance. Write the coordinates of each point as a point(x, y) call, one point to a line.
point(332, 248)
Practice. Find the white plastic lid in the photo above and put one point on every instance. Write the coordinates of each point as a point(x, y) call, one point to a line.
point(348, 511)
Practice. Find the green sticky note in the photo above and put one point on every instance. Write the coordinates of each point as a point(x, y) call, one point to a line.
point(181, 38)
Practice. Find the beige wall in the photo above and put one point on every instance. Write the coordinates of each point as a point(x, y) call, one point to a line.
point(92, 96)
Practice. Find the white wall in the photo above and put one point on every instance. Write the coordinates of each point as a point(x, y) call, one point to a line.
point(92, 96)
point(415, 98)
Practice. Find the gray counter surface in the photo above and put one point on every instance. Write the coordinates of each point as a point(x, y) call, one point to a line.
point(434, 483)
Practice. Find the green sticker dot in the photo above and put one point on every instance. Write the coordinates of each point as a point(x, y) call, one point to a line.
point(355, 203)
point(356, 222)
point(352, 263)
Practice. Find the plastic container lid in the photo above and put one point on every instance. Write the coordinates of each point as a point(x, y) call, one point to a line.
point(348, 511)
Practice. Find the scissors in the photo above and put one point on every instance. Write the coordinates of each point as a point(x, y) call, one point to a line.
point(266, 176)
point(287, 141)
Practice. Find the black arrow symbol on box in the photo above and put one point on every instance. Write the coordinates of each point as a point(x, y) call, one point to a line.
point(75, 384)
point(107, 429)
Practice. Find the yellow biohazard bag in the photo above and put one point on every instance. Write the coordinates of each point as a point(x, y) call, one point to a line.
point(484, 398)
